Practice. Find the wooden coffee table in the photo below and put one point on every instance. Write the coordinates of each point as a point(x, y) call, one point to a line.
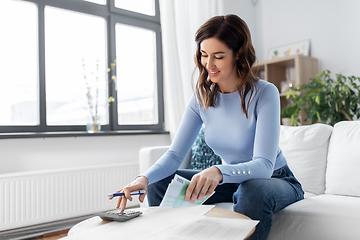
point(97, 221)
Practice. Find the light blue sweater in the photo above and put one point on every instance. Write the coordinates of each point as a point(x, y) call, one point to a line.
point(249, 147)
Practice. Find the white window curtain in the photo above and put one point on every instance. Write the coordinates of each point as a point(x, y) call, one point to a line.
point(179, 21)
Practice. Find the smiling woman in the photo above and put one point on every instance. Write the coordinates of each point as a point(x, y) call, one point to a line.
point(219, 61)
point(241, 114)
point(218, 35)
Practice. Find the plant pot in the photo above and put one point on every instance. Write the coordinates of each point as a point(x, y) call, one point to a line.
point(286, 121)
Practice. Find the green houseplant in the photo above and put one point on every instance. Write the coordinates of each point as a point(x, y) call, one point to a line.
point(325, 100)
point(290, 112)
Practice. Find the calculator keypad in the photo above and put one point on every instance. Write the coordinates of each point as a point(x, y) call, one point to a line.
point(125, 212)
point(117, 215)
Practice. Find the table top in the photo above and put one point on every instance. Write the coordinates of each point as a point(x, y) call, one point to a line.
point(97, 221)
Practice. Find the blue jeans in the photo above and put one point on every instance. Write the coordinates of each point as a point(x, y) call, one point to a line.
point(258, 199)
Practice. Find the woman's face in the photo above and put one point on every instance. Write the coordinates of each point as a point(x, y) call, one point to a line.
point(219, 61)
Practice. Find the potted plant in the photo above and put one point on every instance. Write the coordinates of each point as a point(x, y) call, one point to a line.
point(325, 100)
point(92, 84)
point(290, 114)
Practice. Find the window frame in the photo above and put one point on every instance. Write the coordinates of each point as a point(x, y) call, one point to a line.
point(112, 16)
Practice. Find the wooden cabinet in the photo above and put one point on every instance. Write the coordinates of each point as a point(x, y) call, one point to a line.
point(295, 69)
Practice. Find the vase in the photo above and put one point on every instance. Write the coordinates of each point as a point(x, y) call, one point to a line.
point(93, 127)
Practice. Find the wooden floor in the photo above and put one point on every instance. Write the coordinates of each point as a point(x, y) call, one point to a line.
point(52, 236)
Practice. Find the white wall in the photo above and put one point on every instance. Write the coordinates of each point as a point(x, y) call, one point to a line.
point(33, 154)
point(245, 9)
point(331, 25)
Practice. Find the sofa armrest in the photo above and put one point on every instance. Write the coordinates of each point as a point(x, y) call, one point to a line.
point(149, 155)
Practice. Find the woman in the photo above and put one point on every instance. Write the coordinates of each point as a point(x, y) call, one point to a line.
point(241, 115)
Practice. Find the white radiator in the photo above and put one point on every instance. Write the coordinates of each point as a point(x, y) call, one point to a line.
point(38, 197)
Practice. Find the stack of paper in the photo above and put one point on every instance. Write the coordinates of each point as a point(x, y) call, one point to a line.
point(175, 194)
point(207, 228)
point(151, 223)
point(169, 224)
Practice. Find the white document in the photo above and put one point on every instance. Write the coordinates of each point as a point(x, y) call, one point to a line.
point(208, 228)
point(145, 226)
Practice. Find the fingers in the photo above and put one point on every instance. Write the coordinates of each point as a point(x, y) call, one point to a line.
point(201, 185)
point(204, 188)
point(197, 188)
point(140, 184)
point(142, 197)
point(211, 189)
point(190, 189)
point(122, 200)
point(208, 187)
point(127, 190)
point(110, 198)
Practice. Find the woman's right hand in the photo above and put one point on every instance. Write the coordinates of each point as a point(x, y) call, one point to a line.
point(139, 183)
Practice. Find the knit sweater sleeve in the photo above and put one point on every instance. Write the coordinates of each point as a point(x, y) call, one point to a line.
point(184, 138)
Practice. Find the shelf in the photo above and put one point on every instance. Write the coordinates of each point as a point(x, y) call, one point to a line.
point(297, 69)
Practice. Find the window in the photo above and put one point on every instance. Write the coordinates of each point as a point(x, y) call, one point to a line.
point(140, 6)
point(103, 2)
point(18, 64)
point(63, 61)
point(140, 106)
point(81, 40)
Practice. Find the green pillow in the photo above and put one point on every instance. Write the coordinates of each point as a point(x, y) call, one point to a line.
point(202, 156)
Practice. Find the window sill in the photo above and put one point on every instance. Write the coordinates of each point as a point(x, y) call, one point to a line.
point(78, 134)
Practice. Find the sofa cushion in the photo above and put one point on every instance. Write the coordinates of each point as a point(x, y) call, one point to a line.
point(343, 164)
point(324, 216)
point(202, 156)
point(305, 148)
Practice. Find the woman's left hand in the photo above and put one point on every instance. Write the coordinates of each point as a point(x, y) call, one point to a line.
point(203, 184)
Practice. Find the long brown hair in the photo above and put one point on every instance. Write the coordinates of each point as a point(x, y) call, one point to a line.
point(232, 31)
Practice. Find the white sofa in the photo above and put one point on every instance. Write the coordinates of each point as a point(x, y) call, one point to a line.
point(326, 160)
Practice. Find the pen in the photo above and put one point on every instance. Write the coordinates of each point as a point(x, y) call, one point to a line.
point(122, 194)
